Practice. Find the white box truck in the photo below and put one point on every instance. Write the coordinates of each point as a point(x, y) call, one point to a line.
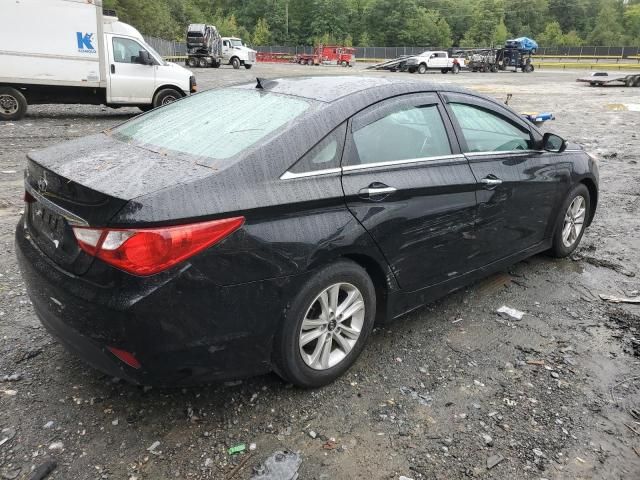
point(68, 51)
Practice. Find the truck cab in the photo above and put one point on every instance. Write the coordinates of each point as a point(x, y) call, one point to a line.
point(236, 53)
point(137, 73)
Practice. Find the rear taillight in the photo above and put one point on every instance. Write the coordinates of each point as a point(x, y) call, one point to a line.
point(146, 251)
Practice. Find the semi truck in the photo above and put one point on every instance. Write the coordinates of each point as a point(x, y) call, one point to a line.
point(70, 51)
point(206, 48)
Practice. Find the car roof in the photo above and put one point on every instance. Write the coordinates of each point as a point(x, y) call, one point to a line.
point(329, 88)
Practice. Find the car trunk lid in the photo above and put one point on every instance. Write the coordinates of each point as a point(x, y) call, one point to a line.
point(85, 183)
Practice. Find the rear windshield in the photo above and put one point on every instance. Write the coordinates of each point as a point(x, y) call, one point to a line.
point(215, 124)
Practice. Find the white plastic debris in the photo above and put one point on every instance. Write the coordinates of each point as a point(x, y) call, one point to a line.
point(511, 312)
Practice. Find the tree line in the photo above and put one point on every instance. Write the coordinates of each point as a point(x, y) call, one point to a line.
point(442, 23)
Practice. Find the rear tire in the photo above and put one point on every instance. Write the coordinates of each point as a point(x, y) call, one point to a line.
point(13, 104)
point(166, 96)
point(192, 62)
point(444, 70)
point(235, 63)
point(202, 62)
point(574, 214)
point(294, 359)
point(528, 68)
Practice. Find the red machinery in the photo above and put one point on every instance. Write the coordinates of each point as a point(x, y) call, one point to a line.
point(328, 55)
point(274, 57)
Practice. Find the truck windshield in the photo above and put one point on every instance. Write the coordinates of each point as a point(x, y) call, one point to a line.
point(235, 42)
point(215, 124)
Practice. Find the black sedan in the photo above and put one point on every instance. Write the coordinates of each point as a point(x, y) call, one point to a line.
point(268, 226)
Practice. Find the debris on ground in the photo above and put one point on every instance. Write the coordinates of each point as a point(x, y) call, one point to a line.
point(237, 449)
point(494, 460)
point(511, 312)
point(613, 299)
point(282, 465)
point(44, 470)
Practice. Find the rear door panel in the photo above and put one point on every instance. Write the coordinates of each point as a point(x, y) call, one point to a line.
point(424, 226)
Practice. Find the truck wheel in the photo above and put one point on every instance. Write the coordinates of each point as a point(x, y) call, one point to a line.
point(528, 68)
point(13, 105)
point(166, 96)
point(248, 66)
point(411, 70)
point(422, 69)
point(192, 62)
point(455, 69)
point(344, 63)
point(215, 64)
point(235, 62)
point(202, 63)
point(494, 68)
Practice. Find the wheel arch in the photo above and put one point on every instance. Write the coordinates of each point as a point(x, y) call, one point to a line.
point(380, 281)
point(593, 197)
point(168, 85)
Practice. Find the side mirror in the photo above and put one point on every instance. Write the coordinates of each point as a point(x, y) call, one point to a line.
point(553, 143)
point(144, 58)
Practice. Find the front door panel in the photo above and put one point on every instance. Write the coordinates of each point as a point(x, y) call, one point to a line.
point(129, 82)
point(517, 185)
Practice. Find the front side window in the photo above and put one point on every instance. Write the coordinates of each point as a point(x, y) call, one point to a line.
point(215, 124)
point(408, 132)
point(126, 50)
point(485, 131)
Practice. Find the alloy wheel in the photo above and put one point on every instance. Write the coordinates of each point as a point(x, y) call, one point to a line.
point(8, 104)
point(573, 221)
point(168, 99)
point(332, 326)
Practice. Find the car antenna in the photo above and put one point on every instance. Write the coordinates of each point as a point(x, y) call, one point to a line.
point(264, 83)
point(509, 95)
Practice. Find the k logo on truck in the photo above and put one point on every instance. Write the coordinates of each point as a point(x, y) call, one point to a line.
point(85, 42)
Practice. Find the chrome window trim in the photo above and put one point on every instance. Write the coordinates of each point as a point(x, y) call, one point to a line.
point(391, 163)
point(501, 153)
point(290, 175)
point(70, 217)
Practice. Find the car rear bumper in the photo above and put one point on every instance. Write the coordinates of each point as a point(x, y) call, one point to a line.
point(182, 331)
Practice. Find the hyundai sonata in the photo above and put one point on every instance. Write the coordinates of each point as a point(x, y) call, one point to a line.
point(267, 227)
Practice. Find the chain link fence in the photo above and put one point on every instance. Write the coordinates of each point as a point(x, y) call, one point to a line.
point(169, 48)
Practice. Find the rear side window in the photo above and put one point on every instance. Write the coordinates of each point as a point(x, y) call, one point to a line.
point(325, 155)
point(485, 131)
point(216, 124)
point(407, 133)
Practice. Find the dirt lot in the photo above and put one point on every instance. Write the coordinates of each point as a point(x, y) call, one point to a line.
point(445, 393)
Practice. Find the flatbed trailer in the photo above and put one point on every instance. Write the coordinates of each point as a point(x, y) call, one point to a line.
point(600, 79)
point(391, 65)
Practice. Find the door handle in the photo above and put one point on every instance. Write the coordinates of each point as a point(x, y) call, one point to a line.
point(376, 191)
point(113, 68)
point(491, 181)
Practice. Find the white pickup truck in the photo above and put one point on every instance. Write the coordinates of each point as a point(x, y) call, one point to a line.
point(434, 60)
point(69, 51)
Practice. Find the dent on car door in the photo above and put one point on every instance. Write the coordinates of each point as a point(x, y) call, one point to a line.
point(517, 183)
point(410, 187)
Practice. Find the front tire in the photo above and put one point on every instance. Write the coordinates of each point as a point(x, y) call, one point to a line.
point(422, 69)
point(326, 326)
point(166, 96)
point(571, 222)
point(235, 63)
point(13, 104)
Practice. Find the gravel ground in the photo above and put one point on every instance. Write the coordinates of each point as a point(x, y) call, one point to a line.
point(451, 391)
